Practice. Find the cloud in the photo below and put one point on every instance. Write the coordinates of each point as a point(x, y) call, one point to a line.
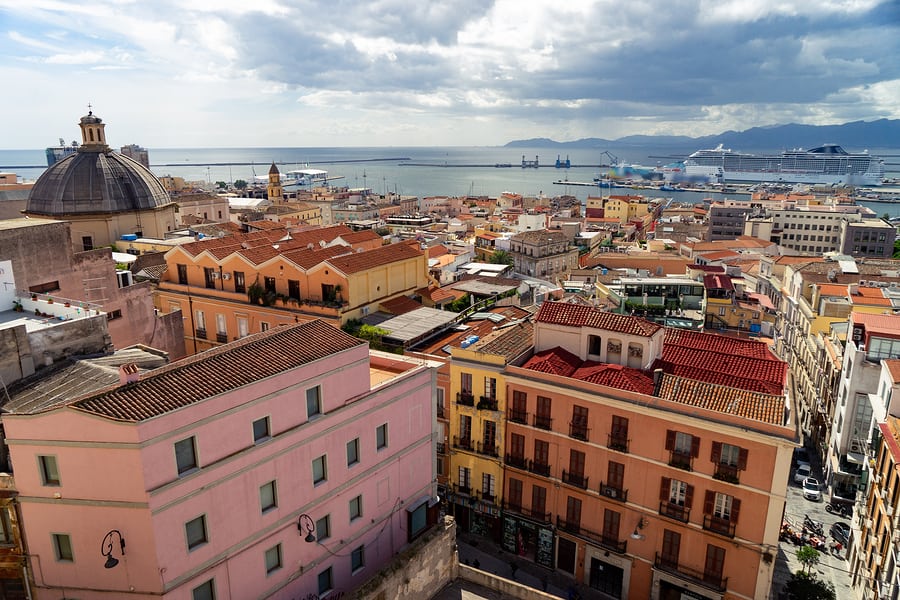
point(460, 69)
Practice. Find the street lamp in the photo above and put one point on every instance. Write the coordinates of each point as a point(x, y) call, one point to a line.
point(306, 524)
point(106, 548)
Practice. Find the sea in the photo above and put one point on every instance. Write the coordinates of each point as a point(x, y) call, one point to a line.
point(424, 171)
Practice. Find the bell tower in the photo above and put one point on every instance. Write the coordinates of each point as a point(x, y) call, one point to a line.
point(93, 138)
point(274, 190)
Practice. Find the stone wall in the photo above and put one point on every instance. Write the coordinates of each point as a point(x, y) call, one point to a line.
point(430, 564)
point(418, 572)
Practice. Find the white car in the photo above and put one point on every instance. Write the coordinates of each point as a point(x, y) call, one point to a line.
point(811, 489)
point(803, 471)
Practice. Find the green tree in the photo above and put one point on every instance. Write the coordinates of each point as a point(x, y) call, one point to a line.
point(897, 249)
point(221, 185)
point(240, 184)
point(500, 257)
point(803, 586)
point(808, 557)
point(460, 304)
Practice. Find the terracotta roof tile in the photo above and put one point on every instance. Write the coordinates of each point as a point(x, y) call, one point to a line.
point(893, 367)
point(768, 408)
point(510, 342)
point(362, 261)
point(399, 305)
point(573, 315)
point(218, 371)
point(558, 361)
point(615, 376)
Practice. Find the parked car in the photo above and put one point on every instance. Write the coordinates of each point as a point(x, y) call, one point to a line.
point(811, 489)
point(801, 456)
point(841, 532)
point(803, 471)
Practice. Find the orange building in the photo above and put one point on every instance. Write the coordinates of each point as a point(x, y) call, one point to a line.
point(644, 461)
point(233, 286)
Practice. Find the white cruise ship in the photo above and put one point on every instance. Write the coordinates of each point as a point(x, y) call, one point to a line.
point(826, 165)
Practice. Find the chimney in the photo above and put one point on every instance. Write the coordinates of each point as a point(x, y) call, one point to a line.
point(129, 373)
point(657, 381)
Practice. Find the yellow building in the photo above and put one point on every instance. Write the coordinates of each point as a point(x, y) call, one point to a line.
point(233, 286)
point(627, 208)
point(477, 425)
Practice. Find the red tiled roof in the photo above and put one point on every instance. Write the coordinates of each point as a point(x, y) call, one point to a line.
point(723, 398)
point(362, 261)
point(575, 315)
point(722, 360)
point(557, 361)
point(437, 250)
point(893, 367)
point(883, 324)
point(218, 371)
point(615, 376)
point(400, 305)
point(717, 282)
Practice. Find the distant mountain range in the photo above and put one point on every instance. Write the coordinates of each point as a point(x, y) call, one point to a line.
point(855, 136)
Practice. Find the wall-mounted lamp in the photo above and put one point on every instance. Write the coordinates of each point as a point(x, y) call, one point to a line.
point(306, 524)
point(637, 535)
point(106, 548)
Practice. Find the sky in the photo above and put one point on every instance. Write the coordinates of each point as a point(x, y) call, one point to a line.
point(264, 73)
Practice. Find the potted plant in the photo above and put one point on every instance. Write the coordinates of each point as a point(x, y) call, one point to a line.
point(67, 304)
point(49, 300)
point(33, 296)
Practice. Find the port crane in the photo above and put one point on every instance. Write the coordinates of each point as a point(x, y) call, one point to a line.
point(612, 157)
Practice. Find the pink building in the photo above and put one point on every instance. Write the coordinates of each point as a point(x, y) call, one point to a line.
point(290, 464)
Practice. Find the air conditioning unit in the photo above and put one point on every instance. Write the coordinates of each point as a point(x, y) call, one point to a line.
point(895, 537)
point(226, 276)
point(215, 274)
point(365, 310)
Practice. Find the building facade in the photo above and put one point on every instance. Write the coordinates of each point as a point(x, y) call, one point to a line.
point(296, 458)
point(545, 254)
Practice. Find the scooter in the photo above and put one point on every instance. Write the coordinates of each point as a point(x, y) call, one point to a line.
point(841, 509)
point(814, 526)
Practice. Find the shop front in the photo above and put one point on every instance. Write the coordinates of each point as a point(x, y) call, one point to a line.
point(528, 539)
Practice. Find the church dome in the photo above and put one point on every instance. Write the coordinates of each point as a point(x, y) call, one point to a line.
point(95, 180)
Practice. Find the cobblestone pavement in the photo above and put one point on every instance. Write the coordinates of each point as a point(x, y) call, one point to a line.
point(832, 568)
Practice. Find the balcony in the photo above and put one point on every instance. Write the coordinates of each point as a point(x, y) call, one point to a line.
point(539, 468)
point(487, 449)
point(465, 490)
point(519, 462)
point(441, 448)
point(579, 431)
point(718, 525)
point(617, 442)
point(516, 415)
point(441, 414)
point(487, 497)
point(465, 399)
point(713, 581)
point(727, 473)
point(569, 526)
point(462, 443)
point(200, 333)
point(576, 479)
point(674, 511)
point(222, 338)
point(543, 422)
point(614, 493)
point(680, 460)
point(536, 514)
point(487, 403)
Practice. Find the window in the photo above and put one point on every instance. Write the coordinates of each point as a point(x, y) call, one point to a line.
point(325, 581)
point(239, 283)
point(465, 383)
point(261, 430)
point(313, 401)
point(490, 387)
point(538, 501)
point(715, 562)
point(323, 528)
point(62, 547)
point(573, 512)
point(267, 497)
point(49, 470)
point(683, 448)
point(186, 455)
point(352, 452)
point(670, 547)
point(542, 417)
point(6, 534)
point(355, 508)
point(611, 521)
point(357, 559)
point(320, 470)
point(269, 284)
point(293, 289)
point(273, 559)
point(541, 452)
point(464, 479)
point(381, 436)
point(595, 344)
point(204, 591)
point(514, 499)
point(195, 531)
point(722, 506)
point(209, 277)
point(182, 274)
point(618, 434)
point(243, 326)
point(487, 487)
